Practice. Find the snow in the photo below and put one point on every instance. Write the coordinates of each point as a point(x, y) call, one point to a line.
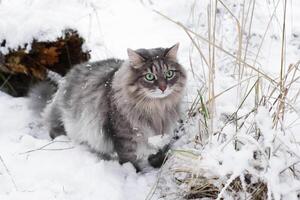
point(60, 170)
point(34, 167)
point(159, 141)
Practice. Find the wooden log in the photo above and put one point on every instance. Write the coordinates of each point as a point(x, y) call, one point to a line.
point(19, 69)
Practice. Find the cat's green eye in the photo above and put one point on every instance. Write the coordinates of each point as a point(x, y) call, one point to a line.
point(149, 77)
point(169, 74)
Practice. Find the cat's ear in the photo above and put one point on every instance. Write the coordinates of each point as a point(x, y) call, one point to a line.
point(134, 58)
point(172, 52)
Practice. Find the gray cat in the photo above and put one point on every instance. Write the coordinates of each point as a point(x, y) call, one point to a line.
point(115, 105)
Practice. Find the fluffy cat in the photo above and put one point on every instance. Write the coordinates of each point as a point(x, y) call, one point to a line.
point(115, 105)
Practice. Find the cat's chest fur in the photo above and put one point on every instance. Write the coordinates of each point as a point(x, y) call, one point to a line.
point(151, 121)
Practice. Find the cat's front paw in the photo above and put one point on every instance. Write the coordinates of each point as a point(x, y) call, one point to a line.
point(156, 160)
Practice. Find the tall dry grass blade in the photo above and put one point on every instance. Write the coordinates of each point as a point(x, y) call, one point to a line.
point(283, 92)
point(249, 31)
point(211, 13)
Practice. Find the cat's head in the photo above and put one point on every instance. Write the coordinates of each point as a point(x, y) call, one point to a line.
point(155, 73)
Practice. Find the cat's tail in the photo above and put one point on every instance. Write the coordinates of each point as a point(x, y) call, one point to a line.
point(41, 93)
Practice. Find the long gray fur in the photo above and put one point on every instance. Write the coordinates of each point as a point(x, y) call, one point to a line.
point(109, 106)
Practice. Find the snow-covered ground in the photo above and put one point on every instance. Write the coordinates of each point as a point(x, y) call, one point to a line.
point(34, 167)
point(61, 169)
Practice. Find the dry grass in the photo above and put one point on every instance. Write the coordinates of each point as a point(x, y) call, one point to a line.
point(275, 93)
point(192, 182)
point(255, 191)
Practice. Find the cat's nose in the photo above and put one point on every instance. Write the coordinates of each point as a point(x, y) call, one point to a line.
point(162, 86)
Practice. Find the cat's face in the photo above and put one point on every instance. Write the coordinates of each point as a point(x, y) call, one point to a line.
point(156, 74)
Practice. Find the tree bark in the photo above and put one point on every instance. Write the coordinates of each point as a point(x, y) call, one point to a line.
point(19, 69)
